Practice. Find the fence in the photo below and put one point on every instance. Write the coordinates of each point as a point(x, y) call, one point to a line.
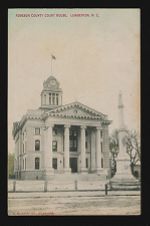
point(44, 186)
point(62, 186)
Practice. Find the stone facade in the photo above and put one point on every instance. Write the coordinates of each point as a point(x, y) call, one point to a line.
point(60, 139)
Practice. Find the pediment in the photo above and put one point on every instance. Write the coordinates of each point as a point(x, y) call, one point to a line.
point(75, 110)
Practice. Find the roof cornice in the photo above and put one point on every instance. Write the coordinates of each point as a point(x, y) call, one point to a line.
point(56, 111)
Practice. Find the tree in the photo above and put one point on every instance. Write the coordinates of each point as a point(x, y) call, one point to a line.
point(132, 142)
point(11, 165)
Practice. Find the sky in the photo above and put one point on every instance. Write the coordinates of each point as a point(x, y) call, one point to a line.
point(97, 55)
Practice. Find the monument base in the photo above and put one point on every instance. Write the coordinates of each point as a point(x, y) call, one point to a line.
point(123, 179)
point(125, 185)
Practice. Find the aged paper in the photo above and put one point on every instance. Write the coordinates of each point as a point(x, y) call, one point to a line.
point(94, 54)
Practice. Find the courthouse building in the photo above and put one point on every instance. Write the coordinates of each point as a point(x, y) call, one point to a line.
point(60, 139)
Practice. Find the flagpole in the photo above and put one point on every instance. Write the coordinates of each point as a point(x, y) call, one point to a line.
point(52, 58)
point(51, 65)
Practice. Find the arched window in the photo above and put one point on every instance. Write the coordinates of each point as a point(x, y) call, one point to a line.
point(37, 145)
point(37, 163)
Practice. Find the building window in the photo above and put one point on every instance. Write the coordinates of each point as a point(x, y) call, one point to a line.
point(54, 145)
point(86, 133)
point(63, 162)
point(75, 144)
point(55, 163)
point(87, 163)
point(25, 163)
point(53, 98)
point(73, 140)
point(37, 131)
point(18, 163)
point(102, 162)
point(49, 98)
point(86, 144)
point(71, 144)
point(57, 99)
point(44, 99)
point(25, 143)
point(23, 148)
point(101, 147)
point(37, 145)
point(74, 133)
point(37, 163)
point(54, 132)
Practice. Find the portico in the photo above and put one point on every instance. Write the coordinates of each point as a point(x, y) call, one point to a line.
point(82, 148)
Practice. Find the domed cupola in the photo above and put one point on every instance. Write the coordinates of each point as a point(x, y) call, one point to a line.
point(51, 95)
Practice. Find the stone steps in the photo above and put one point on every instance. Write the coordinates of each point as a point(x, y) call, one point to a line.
point(125, 184)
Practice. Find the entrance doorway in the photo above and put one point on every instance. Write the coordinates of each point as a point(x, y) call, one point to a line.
point(73, 165)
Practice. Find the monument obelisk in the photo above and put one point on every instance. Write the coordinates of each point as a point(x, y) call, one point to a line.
point(123, 176)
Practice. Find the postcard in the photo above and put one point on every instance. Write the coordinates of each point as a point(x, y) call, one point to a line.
point(74, 112)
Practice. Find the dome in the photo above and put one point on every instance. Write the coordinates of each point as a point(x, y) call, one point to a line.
point(51, 84)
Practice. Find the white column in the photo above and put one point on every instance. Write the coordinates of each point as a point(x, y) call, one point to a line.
point(48, 150)
point(66, 148)
point(93, 150)
point(105, 145)
point(83, 150)
point(98, 149)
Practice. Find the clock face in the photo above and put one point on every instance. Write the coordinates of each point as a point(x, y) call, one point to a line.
point(53, 82)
